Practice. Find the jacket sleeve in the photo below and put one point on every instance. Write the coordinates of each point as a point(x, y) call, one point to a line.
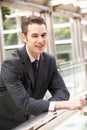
point(11, 76)
point(57, 86)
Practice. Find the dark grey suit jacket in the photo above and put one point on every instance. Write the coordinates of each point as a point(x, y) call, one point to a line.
point(18, 97)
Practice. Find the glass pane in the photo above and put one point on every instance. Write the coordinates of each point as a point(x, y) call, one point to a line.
point(9, 24)
point(75, 77)
point(85, 29)
point(8, 52)
point(68, 76)
point(80, 78)
point(11, 39)
point(60, 19)
point(62, 33)
point(64, 52)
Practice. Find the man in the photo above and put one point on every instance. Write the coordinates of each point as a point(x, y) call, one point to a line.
point(22, 94)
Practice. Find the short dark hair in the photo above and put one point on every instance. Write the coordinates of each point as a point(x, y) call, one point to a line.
point(31, 20)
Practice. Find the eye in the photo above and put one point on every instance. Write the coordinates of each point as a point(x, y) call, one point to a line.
point(35, 36)
point(44, 35)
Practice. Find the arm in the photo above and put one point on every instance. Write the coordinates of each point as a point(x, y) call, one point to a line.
point(12, 77)
point(74, 104)
point(60, 93)
point(57, 86)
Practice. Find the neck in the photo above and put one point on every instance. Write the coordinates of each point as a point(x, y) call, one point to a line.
point(33, 55)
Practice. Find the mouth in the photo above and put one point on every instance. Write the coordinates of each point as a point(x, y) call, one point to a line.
point(40, 46)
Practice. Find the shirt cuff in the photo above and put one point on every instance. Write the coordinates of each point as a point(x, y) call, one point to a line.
point(52, 106)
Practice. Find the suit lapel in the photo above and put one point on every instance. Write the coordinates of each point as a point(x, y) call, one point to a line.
point(26, 63)
point(29, 70)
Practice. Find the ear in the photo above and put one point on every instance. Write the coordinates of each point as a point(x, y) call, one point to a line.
point(24, 38)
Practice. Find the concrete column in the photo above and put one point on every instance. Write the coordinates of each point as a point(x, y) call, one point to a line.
point(76, 34)
point(2, 55)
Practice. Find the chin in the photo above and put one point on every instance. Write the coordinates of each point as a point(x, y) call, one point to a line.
point(40, 50)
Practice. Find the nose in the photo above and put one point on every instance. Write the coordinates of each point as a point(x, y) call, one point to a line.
point(40, 39)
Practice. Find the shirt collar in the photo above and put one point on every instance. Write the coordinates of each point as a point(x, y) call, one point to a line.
point(32, 59)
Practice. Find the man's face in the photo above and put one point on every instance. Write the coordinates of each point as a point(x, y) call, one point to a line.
point(36, 39)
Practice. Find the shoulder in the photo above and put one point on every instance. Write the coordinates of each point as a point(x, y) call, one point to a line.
point(12, 64)
point(13, 57)
point(50, 60)
point(48, 56)
point(12, 60)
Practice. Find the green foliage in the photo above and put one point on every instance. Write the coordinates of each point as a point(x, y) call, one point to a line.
point(9, 24)
point(60, 19)
point(64, 51)
point(5, 11)
point(11, 39)
point(63, 33)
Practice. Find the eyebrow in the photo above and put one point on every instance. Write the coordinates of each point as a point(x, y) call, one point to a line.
point(37, 33)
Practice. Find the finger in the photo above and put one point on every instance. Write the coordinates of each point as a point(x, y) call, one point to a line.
point(83, 101)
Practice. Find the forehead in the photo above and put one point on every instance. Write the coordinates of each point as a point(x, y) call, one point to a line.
point(37, 28)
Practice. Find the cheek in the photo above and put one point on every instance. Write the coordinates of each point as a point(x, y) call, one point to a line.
point(31, 44)
point(45, 40)
point(31, 41)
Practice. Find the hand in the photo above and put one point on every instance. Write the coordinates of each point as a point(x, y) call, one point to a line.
point(71, 104)
point(76, 104)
